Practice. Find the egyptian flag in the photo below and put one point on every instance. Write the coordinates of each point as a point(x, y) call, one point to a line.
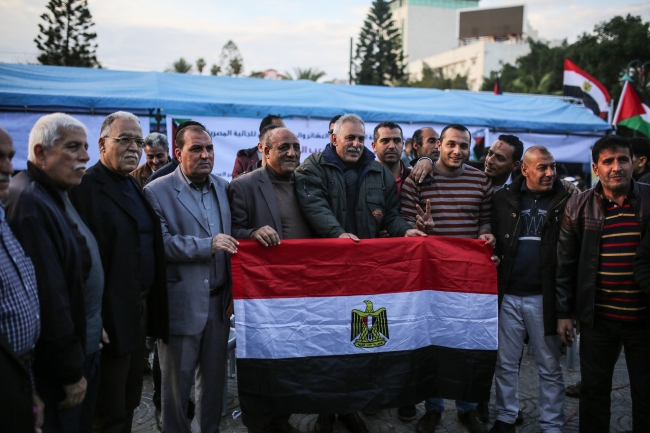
point(632, 112)
point(581, 85)
point(331, 325)
point(497, 86)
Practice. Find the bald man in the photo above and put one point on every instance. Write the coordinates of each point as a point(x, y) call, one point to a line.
point(526, 216)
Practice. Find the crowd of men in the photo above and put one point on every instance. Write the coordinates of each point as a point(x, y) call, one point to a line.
point(95, 260)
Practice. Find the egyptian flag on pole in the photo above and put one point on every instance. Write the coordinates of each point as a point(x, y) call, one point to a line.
point(581, 85)
point(331, 325)
point(632, 112)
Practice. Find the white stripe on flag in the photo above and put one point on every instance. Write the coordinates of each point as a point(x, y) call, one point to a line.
point(572, 78)
point(299, 327)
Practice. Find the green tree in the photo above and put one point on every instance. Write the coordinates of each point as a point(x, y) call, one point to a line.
point(215, 69)
point(230, 60)
point(180, 66)
point(434, 78)
point(200, 64)
point(305, 74)
point(65, 38)
point(379, 50)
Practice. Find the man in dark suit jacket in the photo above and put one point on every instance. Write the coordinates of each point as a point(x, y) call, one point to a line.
point(192, 205)
point(129, 237)
point(264, 207)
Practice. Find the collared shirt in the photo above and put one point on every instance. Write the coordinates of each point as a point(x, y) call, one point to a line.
point(206, 198)
point(19, 307)
point(496, 188)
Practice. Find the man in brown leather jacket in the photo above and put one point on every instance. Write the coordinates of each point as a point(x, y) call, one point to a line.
point(600, 234)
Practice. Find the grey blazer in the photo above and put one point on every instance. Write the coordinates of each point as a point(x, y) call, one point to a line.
point(253, 204)
point(188, 249)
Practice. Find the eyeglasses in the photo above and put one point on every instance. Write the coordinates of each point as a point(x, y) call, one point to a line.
point(125, 141)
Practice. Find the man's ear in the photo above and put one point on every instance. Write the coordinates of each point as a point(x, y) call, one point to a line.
point(39, 153)
point(643, 160)
point(177, 152)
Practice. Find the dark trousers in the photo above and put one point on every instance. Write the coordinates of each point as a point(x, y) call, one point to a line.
point(120, 386)
point(155, 372)
point(599, 350)
point(78, 418)
point(263, 422)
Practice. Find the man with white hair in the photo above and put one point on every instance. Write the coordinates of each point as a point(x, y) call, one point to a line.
point(69, 273)
point(156, 152)
point(129, 236)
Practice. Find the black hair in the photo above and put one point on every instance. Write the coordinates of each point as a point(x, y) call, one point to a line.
point(640, 147)
point(268, 120)
point(389, 125)
point(515, 142)
point(609, 142)
point(191, 125)
point(457, 127)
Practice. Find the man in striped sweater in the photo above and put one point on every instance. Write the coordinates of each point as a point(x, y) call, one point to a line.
point(457, 199)
point(599, 237)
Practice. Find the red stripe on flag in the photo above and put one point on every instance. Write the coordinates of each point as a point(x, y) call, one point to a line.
point(629, 105)
point(340, 267)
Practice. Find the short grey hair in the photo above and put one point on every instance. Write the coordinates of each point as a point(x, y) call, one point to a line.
point(47, 130)
point(347, 118)
point(106, 124)
point(157, 139)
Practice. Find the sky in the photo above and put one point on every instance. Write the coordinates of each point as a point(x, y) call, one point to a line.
point(147, 35)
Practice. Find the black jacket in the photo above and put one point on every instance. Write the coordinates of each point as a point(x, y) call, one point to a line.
point(101, 205)
point(506, 228)
point(579, 248)
point(16, 414)
point(166, 169)
point(642, 263)
point(36, 214)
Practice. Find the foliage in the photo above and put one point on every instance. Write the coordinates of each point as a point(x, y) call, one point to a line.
point(604, 54)
point(230, 60)
point(200, 64)
point(305, 74)
point(180, 66)
point(435, 79)
point(215, 69)
point(65, 39)
point(379, 50)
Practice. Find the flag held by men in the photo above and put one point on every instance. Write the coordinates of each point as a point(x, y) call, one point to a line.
point(632, 112)
point(329, 325)
point(581, 85)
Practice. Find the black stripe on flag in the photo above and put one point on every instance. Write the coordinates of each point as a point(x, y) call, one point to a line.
point(576, 92)
point(351, 383)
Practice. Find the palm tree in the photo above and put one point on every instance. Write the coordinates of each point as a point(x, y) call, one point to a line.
point(306, 74)
point(180, 66)
point(215, 69)
point(200, 64)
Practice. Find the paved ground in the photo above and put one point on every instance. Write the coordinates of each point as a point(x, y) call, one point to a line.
point(387, 420)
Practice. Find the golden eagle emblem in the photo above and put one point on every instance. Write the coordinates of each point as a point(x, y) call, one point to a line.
point(369, 326)
point(586, 86)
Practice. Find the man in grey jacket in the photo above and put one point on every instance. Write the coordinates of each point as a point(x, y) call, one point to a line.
point(193, 208)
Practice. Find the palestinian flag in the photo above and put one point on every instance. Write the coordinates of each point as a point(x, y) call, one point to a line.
point(330, 325)
point(581, 85)
point(632, 112)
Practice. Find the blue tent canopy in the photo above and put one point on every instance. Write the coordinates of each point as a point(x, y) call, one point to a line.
point(49, 88)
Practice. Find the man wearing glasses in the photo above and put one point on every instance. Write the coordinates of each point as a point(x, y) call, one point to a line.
point(129, 237)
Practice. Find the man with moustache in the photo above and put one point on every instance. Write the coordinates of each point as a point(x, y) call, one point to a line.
point(192, 205)
point(424, 143)
point(526, 216)
point(247, 158)
point(600, 233)
point(69, 271)
point(264, 207)
point(387, 144)
point(130, 242)
point(344, 193)
point(156, 152)
point(21, 410)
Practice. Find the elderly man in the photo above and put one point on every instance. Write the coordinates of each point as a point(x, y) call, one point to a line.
point(344, 193)
point(526, 217)
point(156, 152)
point(192, 203)
point(462, 197)
point(68, 268)
point(19, 318)
point(262, 161)
point(424, 143)
point(129, 237)
point(600, 233)
point(264, 207)
point(247, 158)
